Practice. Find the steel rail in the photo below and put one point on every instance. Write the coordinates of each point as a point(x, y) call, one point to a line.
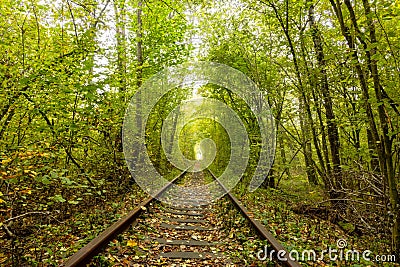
point(280, 251)
point(85, 254)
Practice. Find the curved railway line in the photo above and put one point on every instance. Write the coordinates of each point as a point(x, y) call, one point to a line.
point(177, 224)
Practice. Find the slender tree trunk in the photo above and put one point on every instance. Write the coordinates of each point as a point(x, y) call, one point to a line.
point(333, 132)
point(139, 74)
point(374, 163)
point(120, 16)
point(283, 155)
point(270, 181)
point(120, 22)
point(139, 49)
point(313, 84)
point(7, 121)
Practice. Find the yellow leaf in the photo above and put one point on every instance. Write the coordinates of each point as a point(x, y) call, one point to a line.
point(131, 243)
point(1, 200)
point(27, 191)
point(111, 258)
point(5, 161)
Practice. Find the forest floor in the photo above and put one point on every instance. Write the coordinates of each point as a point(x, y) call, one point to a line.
point(44, 240)
point(50, 244)
point(296, 216)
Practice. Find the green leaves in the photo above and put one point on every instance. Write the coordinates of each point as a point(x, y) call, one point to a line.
point(44, 179)
point(66, 181)
point(58, 198)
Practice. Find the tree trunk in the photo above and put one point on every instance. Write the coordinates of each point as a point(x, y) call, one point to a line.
point(119, 10)
point(139, 73)
point(333, 133)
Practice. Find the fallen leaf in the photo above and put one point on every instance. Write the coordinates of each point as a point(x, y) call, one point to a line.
point(131, 243)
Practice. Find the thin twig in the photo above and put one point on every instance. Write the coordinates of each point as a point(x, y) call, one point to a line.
point(26, 214)
point(165, 3)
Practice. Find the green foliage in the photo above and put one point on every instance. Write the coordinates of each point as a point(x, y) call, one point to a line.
point(68, 69)
point(61, 115)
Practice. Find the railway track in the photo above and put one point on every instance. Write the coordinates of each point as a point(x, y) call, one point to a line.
point(188, 234)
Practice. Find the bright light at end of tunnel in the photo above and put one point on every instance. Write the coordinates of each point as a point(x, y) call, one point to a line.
point(199, 155)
